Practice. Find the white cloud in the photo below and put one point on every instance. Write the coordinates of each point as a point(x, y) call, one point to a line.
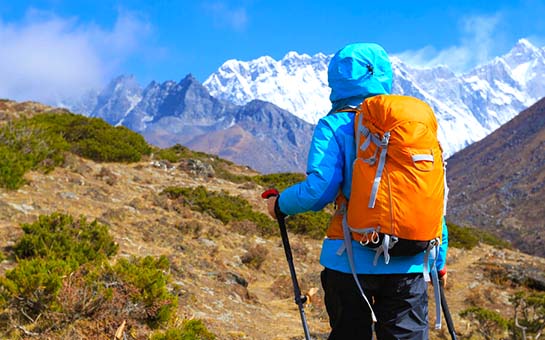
point(225, 16)
point(45, 57)
point(476, 46)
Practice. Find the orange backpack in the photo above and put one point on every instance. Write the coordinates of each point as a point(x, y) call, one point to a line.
point(398, 183)
point(398, 192)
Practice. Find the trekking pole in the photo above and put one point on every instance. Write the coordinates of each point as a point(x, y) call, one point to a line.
point(299, 299)
point(446, 312)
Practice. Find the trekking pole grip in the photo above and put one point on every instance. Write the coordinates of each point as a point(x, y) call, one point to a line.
point(278, 214)
point(270, 193)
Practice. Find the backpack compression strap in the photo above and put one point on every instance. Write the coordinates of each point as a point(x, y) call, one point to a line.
point(380, 143)
point(348, 246)
point(433, 251)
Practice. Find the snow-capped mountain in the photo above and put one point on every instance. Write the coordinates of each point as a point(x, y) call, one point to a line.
point(469, 106)
point(297, 83)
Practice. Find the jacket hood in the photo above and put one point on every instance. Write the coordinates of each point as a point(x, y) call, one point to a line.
point(356, 72)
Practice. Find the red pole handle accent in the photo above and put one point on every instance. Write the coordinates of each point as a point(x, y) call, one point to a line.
point(269, 193)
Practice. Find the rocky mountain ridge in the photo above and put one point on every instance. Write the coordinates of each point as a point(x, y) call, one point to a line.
point(469, 106)
point(258, 134)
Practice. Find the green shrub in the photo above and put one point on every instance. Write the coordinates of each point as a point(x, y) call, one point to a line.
point(93, 138)
point(223, 173)
point(530, 310)
point(12, 168)
point(148, 276)
point(40, 142)
point(62, 275)
point(279, 181)
point(179, 152)
point(228, 208)
point(488, 323)
point(34, 284)
point(191, 330)
point(490, 239)
point(51, 248)
point(167, 155)
point(461, 237)
point(221, 205)
point(312, 224)
point(59, 236)
point(468, 238)
point(23, 148)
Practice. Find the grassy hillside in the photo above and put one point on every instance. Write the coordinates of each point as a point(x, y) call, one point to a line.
point(176, 244)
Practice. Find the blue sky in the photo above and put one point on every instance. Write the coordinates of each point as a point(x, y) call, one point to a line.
point(49, 47)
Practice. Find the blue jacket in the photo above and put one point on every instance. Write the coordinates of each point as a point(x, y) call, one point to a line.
point(356, 72)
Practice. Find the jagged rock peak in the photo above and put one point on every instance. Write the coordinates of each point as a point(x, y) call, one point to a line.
point(523, 51)
point(295, 55)
point(122, 82)
point(189, 79)
point(190, 85)
point(524, 44)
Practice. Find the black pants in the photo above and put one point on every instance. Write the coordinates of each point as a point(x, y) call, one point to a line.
point(400, 302)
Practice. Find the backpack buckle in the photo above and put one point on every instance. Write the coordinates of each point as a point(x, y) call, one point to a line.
point(385, 139)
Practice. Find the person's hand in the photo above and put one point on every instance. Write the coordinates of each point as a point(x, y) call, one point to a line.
point(443, 280)
point(443, 276)
point(271, 202)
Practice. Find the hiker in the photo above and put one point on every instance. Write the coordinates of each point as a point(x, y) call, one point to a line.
point(395, 288)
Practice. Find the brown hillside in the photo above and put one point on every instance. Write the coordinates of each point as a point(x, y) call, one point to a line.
point(234, 299)
point(498, 183)
point(10, 110)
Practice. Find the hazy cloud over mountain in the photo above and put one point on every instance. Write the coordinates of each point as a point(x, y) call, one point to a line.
point(478, 44)
point(46, 56)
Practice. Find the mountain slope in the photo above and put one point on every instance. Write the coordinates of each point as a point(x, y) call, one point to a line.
point(258, 134)
point(498, 183)
point(261, 135)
